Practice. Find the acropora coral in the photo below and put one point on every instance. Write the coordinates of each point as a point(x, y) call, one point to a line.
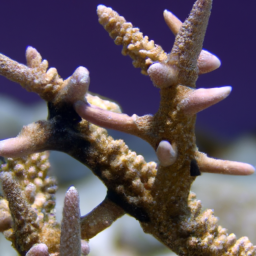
point(156, 194)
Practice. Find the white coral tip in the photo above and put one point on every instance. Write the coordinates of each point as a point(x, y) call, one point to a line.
point(85, 249)
point(207, 62)
point(15, 147)
point(201, 99)
point(76, 86)
point(81, 77)
point(162, 75)
point(38, 250)
point(166, 153)
point(172, 22)
point(100, 7)
point(70, 240)
point(33, 57)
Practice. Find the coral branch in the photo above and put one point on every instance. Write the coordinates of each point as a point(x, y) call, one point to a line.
point(201, 99)
point(16, 147)
point(207, 164)
point(70, 240)
point(188, 43)
point(172, 22)
point(142, 51)
point(47, 84)
point(107, 119)
point(100, 218)
point(32, 79)
point(28, 141)
point(34, 59)
point(75, 87)
point(24, 217)
point(207, 61)
point(156, 195)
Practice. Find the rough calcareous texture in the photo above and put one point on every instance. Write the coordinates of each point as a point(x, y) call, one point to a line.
point(157, 195)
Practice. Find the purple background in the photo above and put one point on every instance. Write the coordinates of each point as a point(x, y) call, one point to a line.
point(67, 34)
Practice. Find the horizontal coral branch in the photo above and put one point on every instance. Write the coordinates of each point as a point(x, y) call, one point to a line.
point(207, 164)
point(106, 119)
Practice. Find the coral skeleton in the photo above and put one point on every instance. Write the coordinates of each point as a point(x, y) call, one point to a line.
point(156, 194)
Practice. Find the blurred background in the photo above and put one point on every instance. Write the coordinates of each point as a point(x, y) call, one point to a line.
point(68, 35)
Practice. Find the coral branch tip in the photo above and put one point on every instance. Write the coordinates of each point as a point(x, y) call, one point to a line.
point(201, 99)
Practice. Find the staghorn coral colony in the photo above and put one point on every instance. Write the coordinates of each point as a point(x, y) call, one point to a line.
point(157, 195)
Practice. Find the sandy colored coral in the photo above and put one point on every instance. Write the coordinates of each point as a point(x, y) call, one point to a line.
point(102, 103)
point(34, 193)
point(139, 48)
point(5, 215)
point(25, 223)
point(157, 195)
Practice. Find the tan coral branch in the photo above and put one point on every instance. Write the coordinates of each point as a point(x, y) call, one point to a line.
point(33, 79)
point(207, 62)
point(157, 196)
point(25, 226)
point(142, 51)
point(188, 43)
point(5, 216)
point(100, 218)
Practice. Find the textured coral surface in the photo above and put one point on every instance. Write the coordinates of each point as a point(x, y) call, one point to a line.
point(157, 195)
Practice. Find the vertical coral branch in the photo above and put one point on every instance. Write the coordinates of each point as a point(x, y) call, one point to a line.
point(189, 41)
point(70, 240)
point(25, 224)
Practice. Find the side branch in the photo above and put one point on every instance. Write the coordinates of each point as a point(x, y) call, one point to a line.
point(31, 78)
point(189, 41)
point(211, 165)
point(101, 217)
point(107, 119)
point(207, 61)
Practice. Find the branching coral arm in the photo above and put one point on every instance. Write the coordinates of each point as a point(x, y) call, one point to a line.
point(188, 44)
point(100, 218)
point(105, 118)
point(32, 138)
point(207, 164)
point(32, 79)
point(47, 84)
point(156, 195)
point(70, 239)
point(207, 61)
point(139, 48)
point(108, 119)
point(24, 217)
point(201, 99)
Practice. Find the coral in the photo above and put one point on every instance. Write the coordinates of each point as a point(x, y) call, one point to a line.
point(30, 195)
point(157, 195)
